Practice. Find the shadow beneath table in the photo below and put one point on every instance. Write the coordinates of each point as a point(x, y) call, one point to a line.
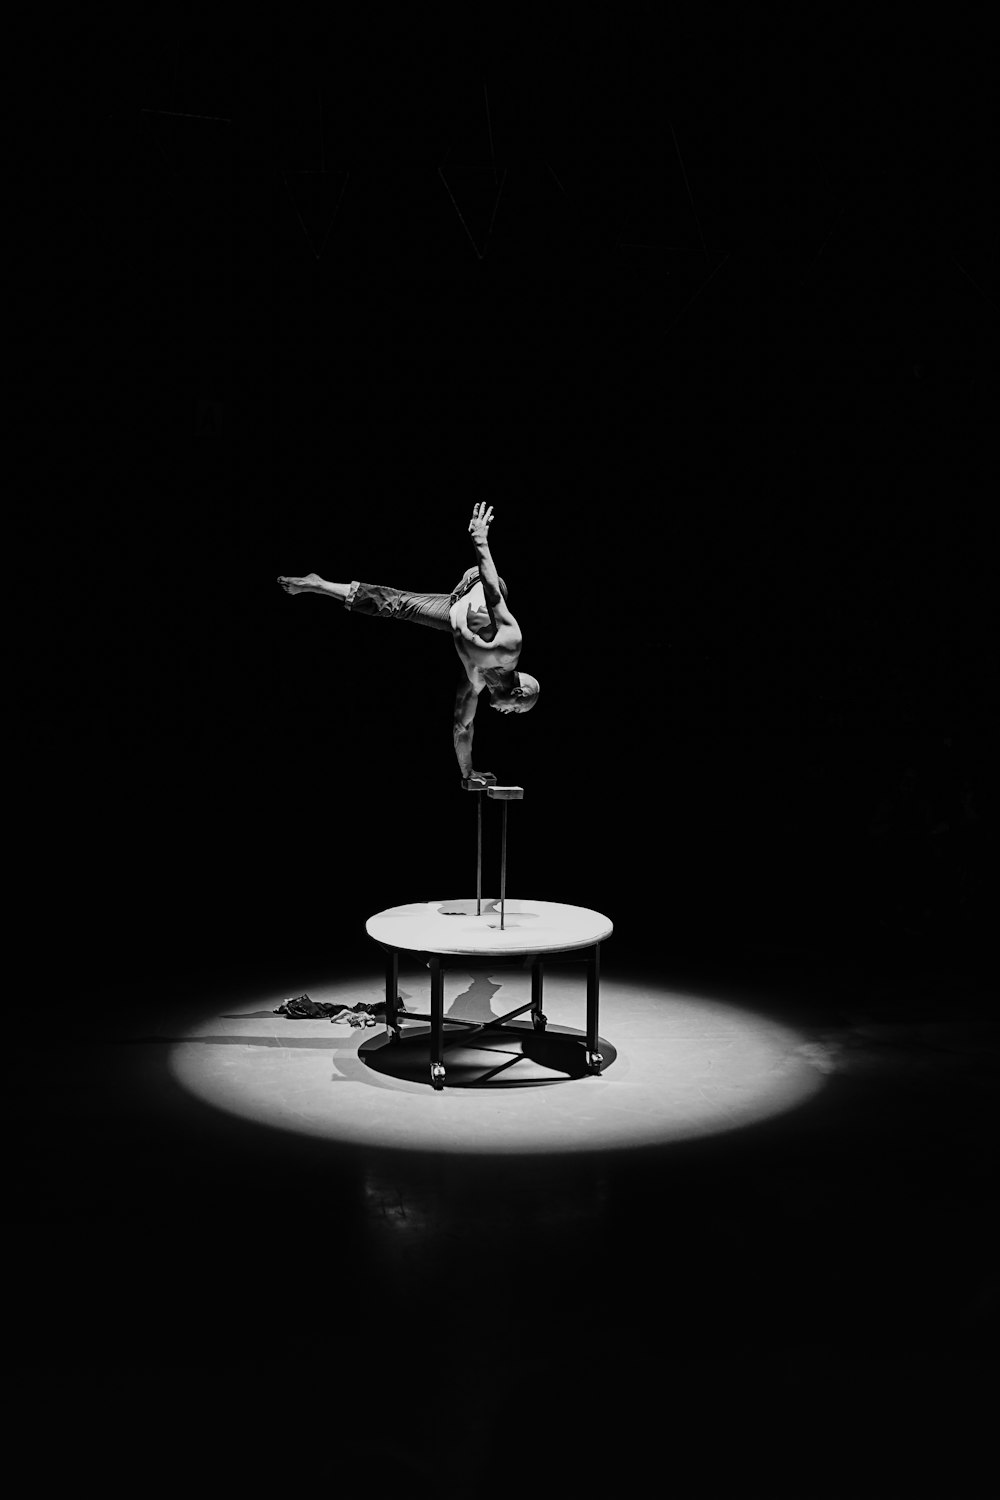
point(517, 1057)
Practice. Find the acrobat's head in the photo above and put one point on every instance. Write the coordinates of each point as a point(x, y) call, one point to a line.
point(519, 698)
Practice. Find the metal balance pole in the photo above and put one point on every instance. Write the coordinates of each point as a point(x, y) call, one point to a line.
point(504, 794)
point(479, 784)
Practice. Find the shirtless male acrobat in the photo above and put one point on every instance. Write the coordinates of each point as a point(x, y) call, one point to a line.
point(486, 635)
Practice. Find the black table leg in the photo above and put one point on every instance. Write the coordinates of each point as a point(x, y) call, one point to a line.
point(437, 1022)
point(537, 1018)
point(594, 1058)
point(391, 992)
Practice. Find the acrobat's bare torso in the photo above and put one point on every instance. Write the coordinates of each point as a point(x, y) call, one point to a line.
point(486, 652)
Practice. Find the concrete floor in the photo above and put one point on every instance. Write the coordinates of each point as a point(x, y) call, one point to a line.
point(785, 1174)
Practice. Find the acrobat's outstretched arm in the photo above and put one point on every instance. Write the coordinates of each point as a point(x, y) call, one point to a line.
point(479, 526)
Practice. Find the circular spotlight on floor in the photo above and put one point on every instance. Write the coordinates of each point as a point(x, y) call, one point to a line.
point(686, 1066)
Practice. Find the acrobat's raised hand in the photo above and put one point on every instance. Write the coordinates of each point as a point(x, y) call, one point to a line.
point(482, 517)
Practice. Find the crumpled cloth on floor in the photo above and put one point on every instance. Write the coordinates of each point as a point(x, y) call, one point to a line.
point(300, 1007)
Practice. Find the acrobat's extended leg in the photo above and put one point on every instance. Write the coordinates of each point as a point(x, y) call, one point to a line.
point(312, 583)
point(378, 599)
point(392, 604)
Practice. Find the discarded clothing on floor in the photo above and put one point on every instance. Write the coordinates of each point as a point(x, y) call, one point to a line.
point(355, 1015)
point(300, 1007)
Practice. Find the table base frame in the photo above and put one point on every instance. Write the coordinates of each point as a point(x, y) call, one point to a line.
point(436, 963)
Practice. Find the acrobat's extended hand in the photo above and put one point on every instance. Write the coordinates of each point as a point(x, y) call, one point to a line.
point(476, 779)
point(482, 516)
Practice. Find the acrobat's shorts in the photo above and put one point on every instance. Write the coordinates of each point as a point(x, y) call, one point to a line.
point(401, 604)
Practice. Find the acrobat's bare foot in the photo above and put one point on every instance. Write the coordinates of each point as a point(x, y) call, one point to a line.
point(306, 585)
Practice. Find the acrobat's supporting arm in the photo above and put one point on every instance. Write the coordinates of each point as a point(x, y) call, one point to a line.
point(466, 703)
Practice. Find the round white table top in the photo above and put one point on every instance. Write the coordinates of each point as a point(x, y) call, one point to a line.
point(453, 927)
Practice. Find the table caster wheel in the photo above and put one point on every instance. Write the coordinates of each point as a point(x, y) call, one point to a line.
point(539, 1021)
point(437, 1075)
point(595, 1061)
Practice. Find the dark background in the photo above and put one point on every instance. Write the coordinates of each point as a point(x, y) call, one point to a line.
point(722, 357)
point(725, 367)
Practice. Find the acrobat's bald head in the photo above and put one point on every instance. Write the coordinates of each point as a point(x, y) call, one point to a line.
point(522, 696)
